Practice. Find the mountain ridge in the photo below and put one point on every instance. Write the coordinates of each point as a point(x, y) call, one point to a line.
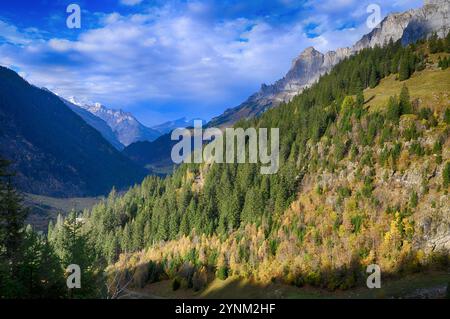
point(125, 126)
point(53, 150)
point(307, 68)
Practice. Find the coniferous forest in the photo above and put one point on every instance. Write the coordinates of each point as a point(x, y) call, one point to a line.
point(359, 183)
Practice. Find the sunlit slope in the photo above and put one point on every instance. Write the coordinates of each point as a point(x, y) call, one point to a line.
point(430, 88)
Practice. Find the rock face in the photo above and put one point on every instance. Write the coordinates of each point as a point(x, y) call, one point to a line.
point(310, 65)
point(432, 17)
point(125, 126)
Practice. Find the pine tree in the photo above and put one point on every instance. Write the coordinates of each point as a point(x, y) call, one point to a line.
point(29, 267)
point(446, 175)
point(433, 43)
point(12, 217)
point(404, 70)
point(75, 247)
point(374, 79)
point(447, 115)
point(393, 109)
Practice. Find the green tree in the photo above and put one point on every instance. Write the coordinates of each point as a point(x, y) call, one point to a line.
point(404, 72)
point(393, 109)
point(74, 246)
point(374, 77)
point(29, 267)
point(447, 115)
point(446, 175)
point(405, 103)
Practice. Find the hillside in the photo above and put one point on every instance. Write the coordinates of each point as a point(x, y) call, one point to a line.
point(155, 155)
point(54, 151)
point(359, 183)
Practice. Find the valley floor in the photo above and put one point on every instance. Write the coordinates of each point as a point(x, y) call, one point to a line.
point(45, 208)
point(422, 285)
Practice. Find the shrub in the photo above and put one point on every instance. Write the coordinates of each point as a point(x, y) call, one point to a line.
point(447, 116)
point(414, 200)
point(446, 175)
point(222, 273)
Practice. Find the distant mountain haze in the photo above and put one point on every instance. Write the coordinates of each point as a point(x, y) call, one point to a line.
point(169, 126)
point(124, 125)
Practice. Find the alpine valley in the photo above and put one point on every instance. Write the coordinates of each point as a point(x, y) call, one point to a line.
point(364, 179)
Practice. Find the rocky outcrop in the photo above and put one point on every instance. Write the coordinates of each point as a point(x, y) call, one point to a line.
point(310, 65)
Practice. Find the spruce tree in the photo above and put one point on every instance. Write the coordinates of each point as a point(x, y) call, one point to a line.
point(374, 79)
point(447, 115)
point(404, 69)
point(405, 103)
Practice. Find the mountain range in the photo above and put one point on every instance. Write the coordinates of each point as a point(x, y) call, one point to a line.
point(73, 150)
point(311, 64)
point(126, 128)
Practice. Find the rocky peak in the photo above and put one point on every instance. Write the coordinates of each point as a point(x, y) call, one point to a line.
point(392, 27)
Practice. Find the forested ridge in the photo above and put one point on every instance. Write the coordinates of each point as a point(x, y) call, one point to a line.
point(356, 185)
point(305, 224)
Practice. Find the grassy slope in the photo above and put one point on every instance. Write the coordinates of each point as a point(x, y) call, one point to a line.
point(431, 87)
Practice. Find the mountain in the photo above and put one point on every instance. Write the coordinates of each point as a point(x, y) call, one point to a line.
point(169, 126)
point(361, 181)
point(53, 150)
point(125, 126)
point(97, 123)
point(307, 68)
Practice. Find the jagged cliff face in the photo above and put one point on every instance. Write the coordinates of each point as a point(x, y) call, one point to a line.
point(311, 64)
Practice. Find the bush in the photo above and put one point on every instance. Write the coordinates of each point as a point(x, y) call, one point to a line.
point(176, 283)
point(222, 273)
point(446, 175)
point(447, 116)
point(414, 200)
point(200, 279)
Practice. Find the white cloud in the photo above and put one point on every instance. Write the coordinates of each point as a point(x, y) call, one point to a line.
point(130, 2)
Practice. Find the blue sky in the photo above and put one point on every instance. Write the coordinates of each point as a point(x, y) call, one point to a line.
point(163, 60)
